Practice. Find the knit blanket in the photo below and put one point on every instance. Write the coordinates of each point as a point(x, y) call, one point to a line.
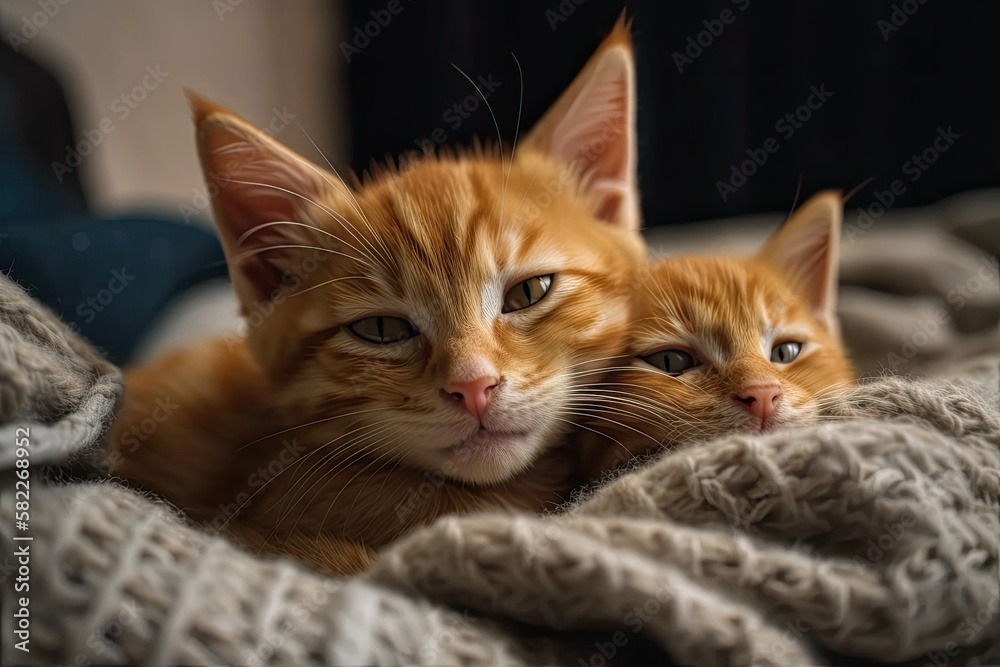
point(873, 535)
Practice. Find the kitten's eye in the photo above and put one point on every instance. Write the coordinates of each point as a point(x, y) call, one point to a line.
point(526, 293)
point(786, 352)
point(383, 330)
point(673, 362)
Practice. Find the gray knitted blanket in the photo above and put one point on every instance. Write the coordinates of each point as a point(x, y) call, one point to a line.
point(873, 535)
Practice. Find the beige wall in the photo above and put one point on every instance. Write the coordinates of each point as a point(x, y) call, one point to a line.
point(258, 56)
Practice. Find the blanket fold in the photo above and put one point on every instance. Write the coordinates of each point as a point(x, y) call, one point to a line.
point(875, 540)
point(874, 534)
point(52, 382)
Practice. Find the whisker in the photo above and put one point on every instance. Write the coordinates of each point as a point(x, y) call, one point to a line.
point(333, 214)
point(603, 408)
point(367, 449)
point(254, 230)
point(594, 361)
point(376, 429)
point(250, 232)
point(256, 251)
point(262, 487)
point(603, 435)
point(396, 445)
point(299, 465)
point(517, 129)
point(387, 477)
point(642, 369)
point(495, 124)
point(524, 196)
point(611, 369)
point(617, 423)
point(600, 386)
point(355, 203)
point(328, 455)
point(590, 399)
point(312, 423)
point(327, 282)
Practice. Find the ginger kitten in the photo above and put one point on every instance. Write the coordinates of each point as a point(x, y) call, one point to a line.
point(725, 344)
point(415, 341)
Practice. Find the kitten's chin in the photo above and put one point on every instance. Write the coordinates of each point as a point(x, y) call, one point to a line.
point(490, 457)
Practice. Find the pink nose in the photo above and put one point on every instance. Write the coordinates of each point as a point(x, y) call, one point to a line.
point(474, 394)
point(760, 400)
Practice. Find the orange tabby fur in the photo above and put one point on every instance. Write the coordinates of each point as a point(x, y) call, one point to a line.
point(728, 312)
point(384, 446)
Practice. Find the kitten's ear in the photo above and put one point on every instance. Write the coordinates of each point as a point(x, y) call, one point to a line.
point(806, 249)
point(255, 182)
point(592, 126)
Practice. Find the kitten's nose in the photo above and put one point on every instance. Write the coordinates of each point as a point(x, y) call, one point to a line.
point(474, 394)
point(760, 400)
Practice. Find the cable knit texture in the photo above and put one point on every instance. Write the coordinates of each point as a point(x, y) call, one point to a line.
point(873, 534)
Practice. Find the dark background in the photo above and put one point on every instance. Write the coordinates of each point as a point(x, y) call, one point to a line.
point(940, 68)
point(892, 90)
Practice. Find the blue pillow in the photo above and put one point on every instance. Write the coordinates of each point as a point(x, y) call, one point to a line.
point(108, 278)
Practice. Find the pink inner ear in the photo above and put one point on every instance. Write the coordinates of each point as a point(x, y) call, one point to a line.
point(263, 269)
point(596, 135)
point(592, 128)
point(805, 260)
point(805, 250)
point(595, 129)
point(258, 183)
point(611, 203)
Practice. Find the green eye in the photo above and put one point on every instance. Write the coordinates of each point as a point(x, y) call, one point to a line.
point(672, 362)
point(786, 352)
point(526, 293)
point(383, 330)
